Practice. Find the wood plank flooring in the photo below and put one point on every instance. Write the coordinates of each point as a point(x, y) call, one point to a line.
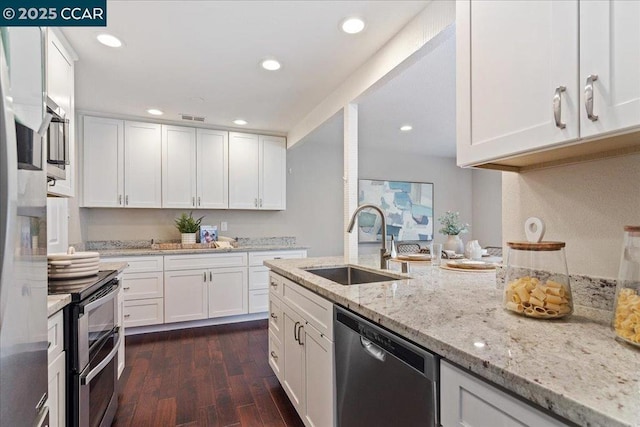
point(209, 376)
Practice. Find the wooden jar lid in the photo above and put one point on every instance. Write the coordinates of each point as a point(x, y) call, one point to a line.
point(632, 228)
point(540, 246)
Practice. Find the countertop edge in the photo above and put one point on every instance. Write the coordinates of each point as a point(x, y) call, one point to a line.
point(148, 251)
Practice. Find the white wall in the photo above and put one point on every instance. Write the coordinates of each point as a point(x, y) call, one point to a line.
point(585, 205)
point(486, 220)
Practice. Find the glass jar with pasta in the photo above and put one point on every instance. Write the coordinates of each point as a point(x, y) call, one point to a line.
point(626, 312)
point(537, 280)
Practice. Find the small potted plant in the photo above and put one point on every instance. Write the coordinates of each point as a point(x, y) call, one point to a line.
point(452, 228)
point(188, 226)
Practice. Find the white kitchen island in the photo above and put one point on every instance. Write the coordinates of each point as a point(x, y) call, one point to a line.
point(572, 368)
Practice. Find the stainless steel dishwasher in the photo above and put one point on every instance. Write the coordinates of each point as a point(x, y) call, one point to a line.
point(382, 379)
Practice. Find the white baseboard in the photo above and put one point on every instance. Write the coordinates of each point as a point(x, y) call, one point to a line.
point(195, 323)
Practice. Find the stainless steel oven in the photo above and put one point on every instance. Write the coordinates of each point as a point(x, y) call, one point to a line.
point(57, 142)
point(93, 338)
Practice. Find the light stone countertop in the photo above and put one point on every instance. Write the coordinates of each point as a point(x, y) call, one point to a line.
point(56, 302)
point(105, 253)
point(573, 367)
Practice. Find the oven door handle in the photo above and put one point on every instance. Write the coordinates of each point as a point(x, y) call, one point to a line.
point(103, 299)
point(86, 379)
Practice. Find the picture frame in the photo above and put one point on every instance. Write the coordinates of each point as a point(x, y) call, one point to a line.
point(208, 233)
point(408, 209)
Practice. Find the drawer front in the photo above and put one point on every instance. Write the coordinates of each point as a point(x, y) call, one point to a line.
point(140, 264)
point(276, 321)
point(258, 278)
point(143, 285)
point(143, 312)
point(276, 355)
point(276, 285)
point(315, 309)
point(204, 261)
point(258, 301)
point(257, 258)
point(55, 335)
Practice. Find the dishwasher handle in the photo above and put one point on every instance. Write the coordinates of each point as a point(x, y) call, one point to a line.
point(373, 350)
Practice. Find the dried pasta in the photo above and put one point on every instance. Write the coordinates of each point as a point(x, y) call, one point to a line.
point(626, 321)
point(528, 296)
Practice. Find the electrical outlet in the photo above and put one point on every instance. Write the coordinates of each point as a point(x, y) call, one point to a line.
point(223, 226)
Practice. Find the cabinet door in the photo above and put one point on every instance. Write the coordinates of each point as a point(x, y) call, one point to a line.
point(273, 173)
point(228, 291)
point(244, 174)
point(142, 165)
point(610, 50)
point(294, 360)
point(178, 167)
point(56, 391)
point(468, 401)
point(143, 312)
point(319, 378)
point(143, 285)
point(511, 58)
point(185, 295)
point(57, 225)
point(213, 169)
point(103, 162)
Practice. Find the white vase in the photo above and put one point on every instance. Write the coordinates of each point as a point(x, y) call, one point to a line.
point(454, 243)
point(188, 238)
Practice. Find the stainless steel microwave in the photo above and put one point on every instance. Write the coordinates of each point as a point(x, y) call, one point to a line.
point(57, 143)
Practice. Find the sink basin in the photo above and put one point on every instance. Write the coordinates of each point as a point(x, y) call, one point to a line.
point(349, 275)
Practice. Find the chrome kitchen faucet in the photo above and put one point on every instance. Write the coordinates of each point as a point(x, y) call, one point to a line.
point(384, 255)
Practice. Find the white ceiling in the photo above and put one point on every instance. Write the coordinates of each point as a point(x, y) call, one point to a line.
point(422, 95)
point(202, 57)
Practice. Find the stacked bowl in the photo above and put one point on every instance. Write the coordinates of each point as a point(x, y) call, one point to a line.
point(73, 265)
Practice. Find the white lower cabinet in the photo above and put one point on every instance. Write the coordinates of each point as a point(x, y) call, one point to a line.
point(307, 372)
point(56, 371)
point(228, 292)
point(185, 295)
point(465, 400)
point(259, 276)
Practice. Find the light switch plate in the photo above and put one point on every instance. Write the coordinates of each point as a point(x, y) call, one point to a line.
point(223, 226)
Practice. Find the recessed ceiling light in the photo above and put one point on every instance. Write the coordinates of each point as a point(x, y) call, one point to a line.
point(109, 40)
point(352, 25)
point(155, 112)
point(270, 64)
point(240, 122)
point(406, 128)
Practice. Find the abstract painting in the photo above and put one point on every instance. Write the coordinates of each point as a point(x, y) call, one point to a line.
point(408, 208)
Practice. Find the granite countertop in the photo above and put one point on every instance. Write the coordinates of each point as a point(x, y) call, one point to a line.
point(56, 302)
point(148, 251)
point(573, 367)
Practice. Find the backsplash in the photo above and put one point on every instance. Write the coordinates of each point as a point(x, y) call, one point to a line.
point(102, 245)
point(587, 291)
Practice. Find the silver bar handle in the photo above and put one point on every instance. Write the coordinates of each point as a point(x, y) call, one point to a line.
point(588, 97)
point(86, 379)
point(102, 300)
point(211, 276)
point(193, 201)
point(199, 201)
point(120, 199)
point(295, 328)
point(373, 350)
point(274, 355)
point(260, 202)
point(126, 200)
point(300, 328)
point(204, 276)
point(255, 202)
point(557, 107)
point(274, 316)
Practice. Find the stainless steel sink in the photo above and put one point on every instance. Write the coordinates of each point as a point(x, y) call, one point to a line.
point(349, 275)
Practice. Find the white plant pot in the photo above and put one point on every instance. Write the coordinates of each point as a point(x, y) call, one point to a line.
point(454, 243)
point(188, 238)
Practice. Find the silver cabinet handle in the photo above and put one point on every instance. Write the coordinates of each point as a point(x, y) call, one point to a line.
point(274, 285)
point(120, 199)
point(211, 276)
point(557, 107)
point(295, 329)
point(274, 355)
point(193, 201)
point(198, 200)
point(126, 200)
point(204, 276)
point(126, 316)
point(260, 202)
point(588, 97)
point(255, 202)
point(300, 328)
point(126, 288)
point(274, 316)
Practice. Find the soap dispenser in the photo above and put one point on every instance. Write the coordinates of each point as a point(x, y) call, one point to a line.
point(394, 252)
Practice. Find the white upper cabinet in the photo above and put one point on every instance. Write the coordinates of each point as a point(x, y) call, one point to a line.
point(273, 184)
point(212, 169)
point(257, 171)
point(541, 82)
point(610, 54)
point(121, 164)
point(178, 167)
point(517, 65)
point(103, 162)
point(142, 165)
point(57, 225)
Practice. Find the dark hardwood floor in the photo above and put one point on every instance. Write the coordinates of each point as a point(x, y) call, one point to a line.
point(210, 376)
